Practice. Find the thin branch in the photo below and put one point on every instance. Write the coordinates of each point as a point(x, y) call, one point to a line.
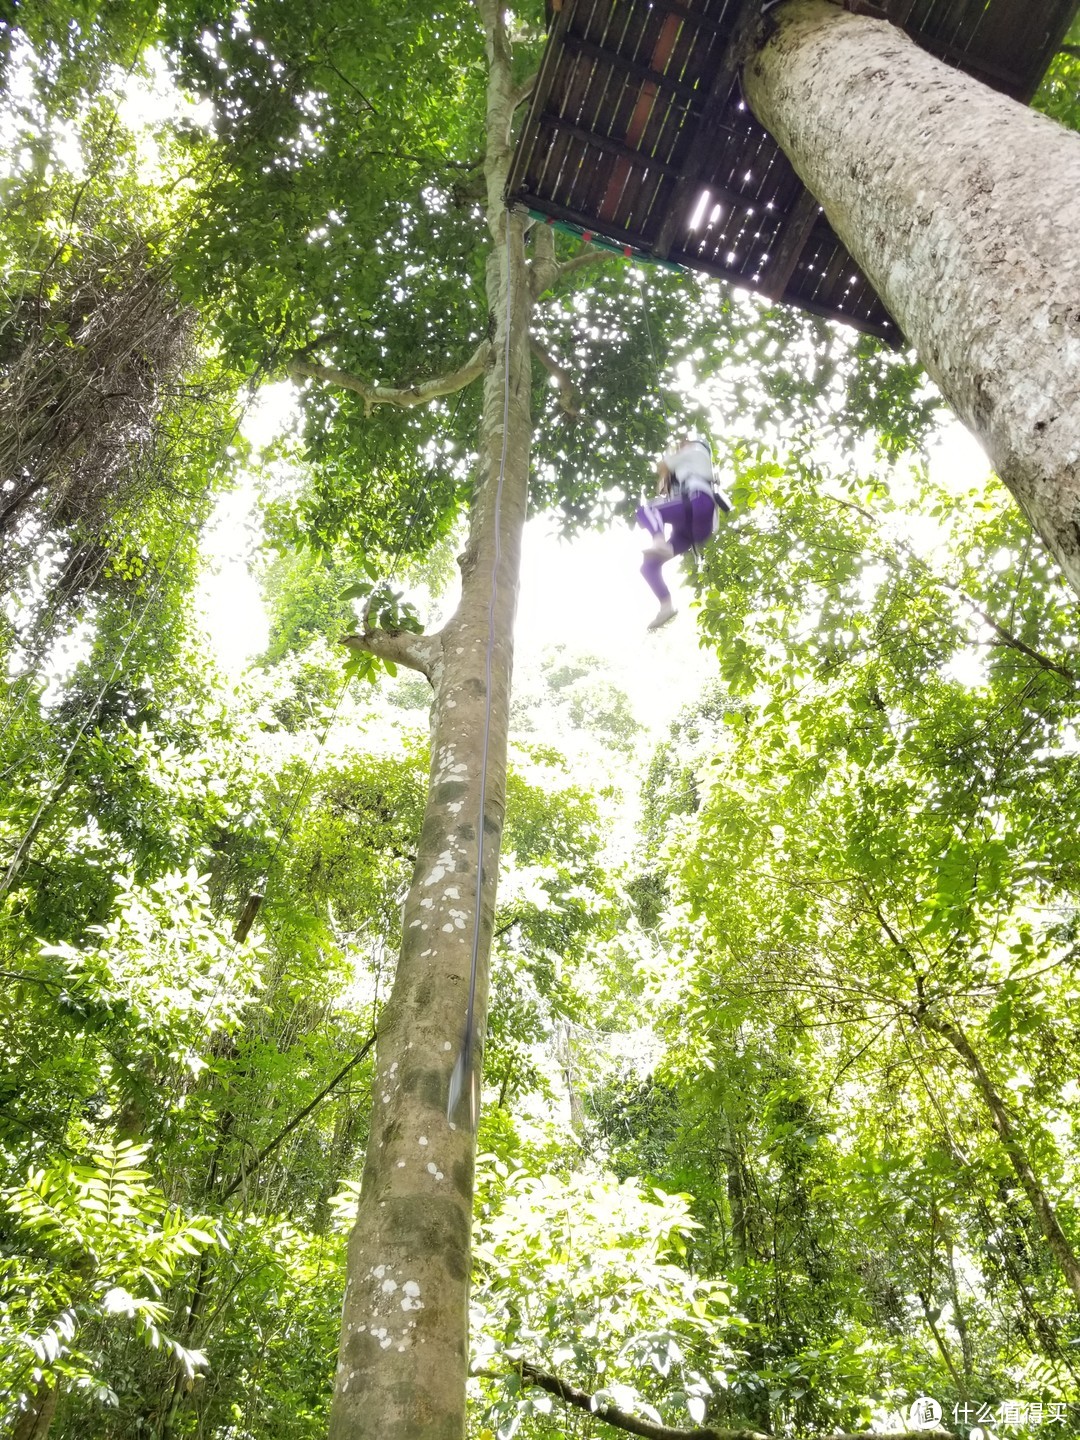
point(245, 1172)
point(587, 255)
point(1007, 638)
point(939, 1341)
point(1053, 1233)
point(1013, 641)
point(568, 396)
point(348, 84)
point(891, 933)
point(407, 396)
point(649, 1430)
point(524, 90)
point(21, 977)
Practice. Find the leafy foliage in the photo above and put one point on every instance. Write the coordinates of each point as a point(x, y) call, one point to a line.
point(95, 1245)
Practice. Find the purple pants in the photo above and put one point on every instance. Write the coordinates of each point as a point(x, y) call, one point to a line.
point(691, 521)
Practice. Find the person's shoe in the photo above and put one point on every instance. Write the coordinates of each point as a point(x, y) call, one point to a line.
point(660, 548)
point(663, 615)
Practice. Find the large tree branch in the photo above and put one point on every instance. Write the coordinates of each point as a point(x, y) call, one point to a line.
point(407, 396)
point(568, 396)
point(587, 255)
point(400, 647)
point(650, 1430)
point(546, 273)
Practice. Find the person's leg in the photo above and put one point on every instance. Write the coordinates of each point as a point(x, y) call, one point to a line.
point(703, 519)
point(691, 522)
point(653, 516)
point(650, 518)
point(694, 523)
point(651, 567)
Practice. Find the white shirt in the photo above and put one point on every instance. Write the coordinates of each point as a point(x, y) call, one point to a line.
point(692, 467)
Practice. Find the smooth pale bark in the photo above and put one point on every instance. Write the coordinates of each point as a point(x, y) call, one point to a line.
point(1013, 1145)
point(403, 1359)
point(963, 208)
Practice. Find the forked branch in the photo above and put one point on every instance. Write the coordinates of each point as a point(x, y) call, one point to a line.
point(400, 647)
point(525, 89)
point(546, 273)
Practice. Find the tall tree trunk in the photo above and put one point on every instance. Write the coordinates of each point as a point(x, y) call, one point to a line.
point(963, 208)
point(959, 1315)
point(736, 1194)
point(564, 1051)
point(36, 1420)
point(403, 1359)
point(1014, 1147)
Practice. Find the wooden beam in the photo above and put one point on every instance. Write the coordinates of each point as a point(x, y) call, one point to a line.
point(890, 332)
point(639, 158)
point(798, 225)
point(865, 7)
point(640, 116)
point(689, 177)
point(692, 93)
point(686, 12)
point(541, 90)
point(607, 230)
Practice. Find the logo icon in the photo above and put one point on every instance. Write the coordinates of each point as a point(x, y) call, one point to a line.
point(924, 1413)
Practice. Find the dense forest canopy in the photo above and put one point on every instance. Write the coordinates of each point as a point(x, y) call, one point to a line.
point(781, 1101)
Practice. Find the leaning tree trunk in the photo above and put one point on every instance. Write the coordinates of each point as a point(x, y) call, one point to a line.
point(963, 208)
point(1049, 1224)
point(403, 1359)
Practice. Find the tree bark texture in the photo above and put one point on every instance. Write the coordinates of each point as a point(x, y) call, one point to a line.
point(963, 208)
point(35, 1422)
point(403, 1359)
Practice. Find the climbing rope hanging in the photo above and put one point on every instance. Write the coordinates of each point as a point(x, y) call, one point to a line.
point(464, 1078)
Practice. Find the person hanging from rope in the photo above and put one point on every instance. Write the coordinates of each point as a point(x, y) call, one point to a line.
point(687, 500)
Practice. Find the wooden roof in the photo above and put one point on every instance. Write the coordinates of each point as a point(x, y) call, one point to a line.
point(637, 131)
